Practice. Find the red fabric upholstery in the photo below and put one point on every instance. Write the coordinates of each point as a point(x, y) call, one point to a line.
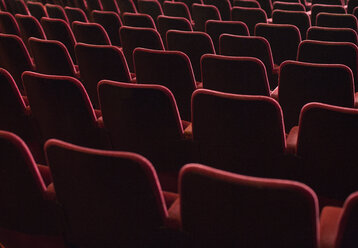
point(301, 83)
point(288, 6)
point(171, 69)
point(166, 23)
point(110, 5)
point(332, 34)
point(90, 33)
point(14, 57)
point(51, 57)
point(242, 211)
point(224, 7)
point(98, 62)
point(29, 27)
point(216, 28)
point(230, 136)
point(237, 75)
point(75, 14)
point(250, 16)
point(318, 8)
point(337, 20)
point(284, 40)
point(24, 208)
point(139, 20)
point(37, 9)
point(8, 24)
point(111, 23)
point(298, 18)
point(56, 11)
point(150, 7)
point(193, 44)
point(58, 29)
point(109, 198)
point(155, 129)
point(202, 13)
point(177, 9)
point(249, 46)
point(330, 53)
point(329, 133)
point(62, 109)
point(133, 37)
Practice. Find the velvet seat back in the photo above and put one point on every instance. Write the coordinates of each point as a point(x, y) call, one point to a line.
point(241, 211)
point(301, 83)
point(90, 33)
point(329, 132)
point(202, 13)
point(250, 16)
point(108, 198)
point(171, 69)
point(234, 129)
point(111, 23)
point(193, 44)
point(237, 75)
point(332, 34)
point(62, 109)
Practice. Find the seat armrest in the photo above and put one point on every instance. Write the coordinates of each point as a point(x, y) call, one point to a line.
point(292, 140)
point(174, 220)
point(329, 223)
point(274, 94)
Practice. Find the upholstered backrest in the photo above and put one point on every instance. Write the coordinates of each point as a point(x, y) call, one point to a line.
point(193, 44)
point(301, 83)
point(90, 33)
point(51, 57)
point(241, 211)
point(62, 108)
point(108, 198)
point(14, 57)
point(237, 75)
point(250, 16)
point(133, 37)
point(202, 13)
point(171, 69)
point(111, 23)
point(332, 34)
point(98, 62)
point(216, 28)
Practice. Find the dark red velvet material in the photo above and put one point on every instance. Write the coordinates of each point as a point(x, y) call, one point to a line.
point(250, 16)
point(111, 23)
point(56, 11)
point(318, 8)
point(150, 126)
point(171, 69)
point(249, 46)
point(58, 29)
point(133, 37)
point(298, 18)
point(166, 23)
point(109, 199)
point(193, 44)
point(150, 7)
point(234, 129)
point(177, 9)
point(301, 83)
point(224, 7)
point(329, 132)
point(337, 20)
point(217, 28)
point(62, 109)
point(139, 20)
point(75, 14)
point(98, 62)
point(222, 209)
point(51, 57)
point(330, 53)
point(202, 13)
point(8, 23)
point(90, 33)
point(14, 57)
point(332, 34)
point(23, 207)
point(288, 6)
point(284, 40)
point(37, 9)
point(238, 75)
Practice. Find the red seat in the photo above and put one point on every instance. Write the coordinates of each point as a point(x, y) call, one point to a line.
point(90, 33)
point(220, 208)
